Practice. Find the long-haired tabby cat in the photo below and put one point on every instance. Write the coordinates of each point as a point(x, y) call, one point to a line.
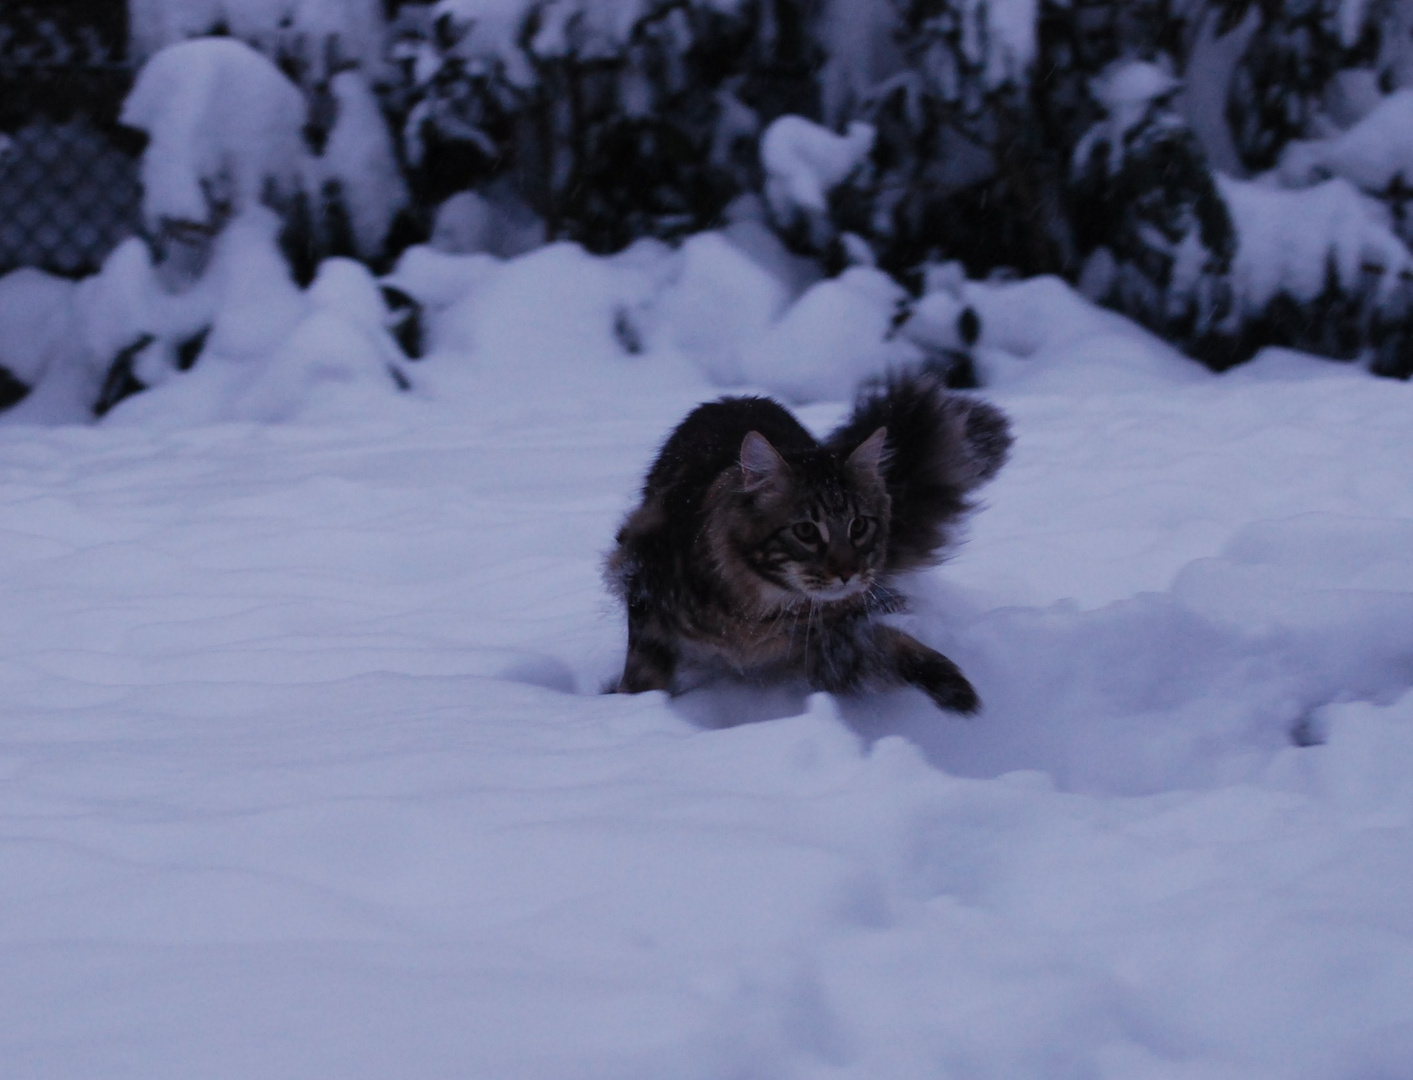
point(758, 550)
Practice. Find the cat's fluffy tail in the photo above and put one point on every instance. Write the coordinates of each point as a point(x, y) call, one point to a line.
point(940, 447)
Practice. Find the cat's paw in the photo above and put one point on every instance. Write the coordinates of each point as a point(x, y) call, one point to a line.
point(638, 684)
point(917, 665)
point(646, 670)
point(944, 683)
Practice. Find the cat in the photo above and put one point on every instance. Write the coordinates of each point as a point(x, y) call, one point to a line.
point(759, 551)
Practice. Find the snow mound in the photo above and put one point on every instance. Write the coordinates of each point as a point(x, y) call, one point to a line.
point(837, 334)
point(272, 352)
point(720, 305)
point(472, 222)
point(263, 349)
point(36, 314)
point(223, 123)
point(1041, 333)
point(305, 758)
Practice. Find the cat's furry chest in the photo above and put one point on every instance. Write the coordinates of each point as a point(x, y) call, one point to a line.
point(793, 636)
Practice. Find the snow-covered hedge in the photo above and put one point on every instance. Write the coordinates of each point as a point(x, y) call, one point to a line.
point(1111, 144)
point(1230, 174)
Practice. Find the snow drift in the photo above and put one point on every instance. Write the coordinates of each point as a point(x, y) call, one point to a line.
point(307, 769)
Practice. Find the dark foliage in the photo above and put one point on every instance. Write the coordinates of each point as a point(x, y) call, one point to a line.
point(1296, 49)
point(650, 137)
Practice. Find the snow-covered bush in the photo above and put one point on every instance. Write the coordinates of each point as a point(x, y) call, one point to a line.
point(1224, 266)
point(885, 144)
point(318, 132)
point(1321, 269)
point(803, 163)
point(228, 177)
point(1109, 143)
point(224, 130)
point(1373, 153)
point(240, 341)
point(353, 185)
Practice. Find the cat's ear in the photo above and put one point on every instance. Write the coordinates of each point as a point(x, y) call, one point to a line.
point(870, 455)
point(761, 464)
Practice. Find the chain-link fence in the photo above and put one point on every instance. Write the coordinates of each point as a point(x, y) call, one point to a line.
point(69, 190)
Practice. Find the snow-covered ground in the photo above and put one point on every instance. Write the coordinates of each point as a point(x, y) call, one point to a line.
point(305, 770)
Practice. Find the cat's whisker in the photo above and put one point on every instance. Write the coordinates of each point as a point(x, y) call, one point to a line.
point(809, 626)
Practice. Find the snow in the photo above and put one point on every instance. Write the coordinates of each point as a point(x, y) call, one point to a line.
point(861, 50)
point(1369, 155)
point(495, 30)
point(1211, 64)
point(804, 161)
point(723, 302)
point(273, 350)
point(269, 347)
point(1001, 35)
point(1128, 89)
point(1013, 25)
point(307, 771)
point(1340, 228)
point(35, 311)
point(1038, 333)
point(832, 337)
point(223, 122)
point(226, 135)
point(470, 222)
point(1353, 15)
point(359, 157)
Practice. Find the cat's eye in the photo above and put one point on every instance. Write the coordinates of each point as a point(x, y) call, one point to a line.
point(806, 532)
point(859, 528)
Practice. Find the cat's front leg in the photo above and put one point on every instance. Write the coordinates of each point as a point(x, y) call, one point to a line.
point(652, 657)
point(927, 669)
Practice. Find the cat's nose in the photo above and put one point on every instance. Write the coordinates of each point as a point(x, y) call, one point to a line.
point(845, 576)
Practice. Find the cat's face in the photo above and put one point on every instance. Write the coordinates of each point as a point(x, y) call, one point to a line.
point(814, 526)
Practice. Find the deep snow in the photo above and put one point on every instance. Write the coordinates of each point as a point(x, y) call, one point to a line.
point(306, 771)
